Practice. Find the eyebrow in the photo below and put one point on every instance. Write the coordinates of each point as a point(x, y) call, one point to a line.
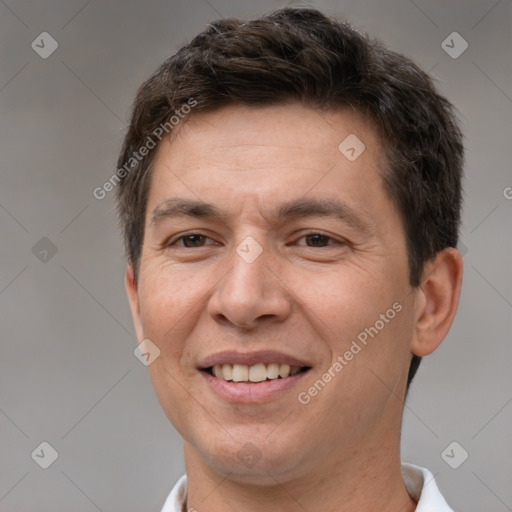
point(298, 208)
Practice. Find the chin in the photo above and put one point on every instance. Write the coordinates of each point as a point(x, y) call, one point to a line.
point(246, 459)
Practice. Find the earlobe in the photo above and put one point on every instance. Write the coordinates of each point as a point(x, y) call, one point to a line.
point(437, 301)
point(133, 298)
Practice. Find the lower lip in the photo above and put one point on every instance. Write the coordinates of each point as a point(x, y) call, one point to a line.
point(252, 392)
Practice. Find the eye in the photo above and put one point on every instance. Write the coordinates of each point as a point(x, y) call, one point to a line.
point(190, 240)
point(318, 240)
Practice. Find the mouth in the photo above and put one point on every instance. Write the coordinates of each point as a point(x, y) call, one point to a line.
point(252, 378)
point(256, 373)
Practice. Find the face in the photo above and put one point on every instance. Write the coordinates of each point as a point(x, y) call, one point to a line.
point(272, 256)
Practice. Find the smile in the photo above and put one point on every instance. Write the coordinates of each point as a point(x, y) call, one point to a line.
point(256, 377)
point(256, 373)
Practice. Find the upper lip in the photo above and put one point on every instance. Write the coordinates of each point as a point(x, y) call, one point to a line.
point(250, 358)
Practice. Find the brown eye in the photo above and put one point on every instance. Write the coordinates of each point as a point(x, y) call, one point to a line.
point(317, 240)
point(193, 240)
point(190, 241)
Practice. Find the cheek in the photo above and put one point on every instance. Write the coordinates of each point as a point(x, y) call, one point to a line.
point(169, 305)
point(365, 320)
point(169, 292)
point(379, 356)
point(342, 303)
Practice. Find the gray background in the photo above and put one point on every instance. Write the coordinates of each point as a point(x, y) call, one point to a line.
point(68, 375)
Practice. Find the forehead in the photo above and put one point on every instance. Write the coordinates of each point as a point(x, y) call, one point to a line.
point(268, 152)
point(282, 132)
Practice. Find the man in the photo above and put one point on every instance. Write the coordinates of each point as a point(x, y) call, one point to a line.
point(290, 198)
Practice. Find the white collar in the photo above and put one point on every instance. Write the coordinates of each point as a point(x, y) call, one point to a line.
point(419, 482)
point(422, 488)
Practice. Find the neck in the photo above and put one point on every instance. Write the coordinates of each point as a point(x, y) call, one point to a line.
point(365, 480)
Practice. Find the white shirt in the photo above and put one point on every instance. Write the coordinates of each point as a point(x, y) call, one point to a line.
point(419, 482)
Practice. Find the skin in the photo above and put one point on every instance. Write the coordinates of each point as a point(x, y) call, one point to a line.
point(308, 297)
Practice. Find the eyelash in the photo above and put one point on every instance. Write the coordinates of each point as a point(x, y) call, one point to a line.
point(310, 234)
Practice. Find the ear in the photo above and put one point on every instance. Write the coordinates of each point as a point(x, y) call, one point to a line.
point(437, 301)
point(133, 297)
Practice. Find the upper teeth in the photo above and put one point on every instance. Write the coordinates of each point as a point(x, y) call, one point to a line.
point(256, 373)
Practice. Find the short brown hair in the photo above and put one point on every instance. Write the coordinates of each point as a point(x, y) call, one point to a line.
point(300, 55)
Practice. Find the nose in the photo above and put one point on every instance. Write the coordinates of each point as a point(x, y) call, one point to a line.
point(250, 294)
